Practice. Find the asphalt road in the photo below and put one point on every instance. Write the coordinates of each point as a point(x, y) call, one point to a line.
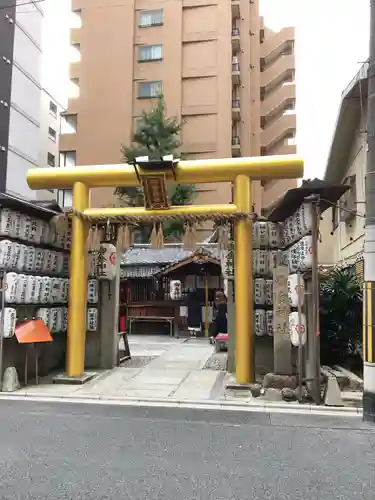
point(68, 451)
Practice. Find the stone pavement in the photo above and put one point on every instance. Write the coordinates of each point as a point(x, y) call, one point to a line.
point(160, 368)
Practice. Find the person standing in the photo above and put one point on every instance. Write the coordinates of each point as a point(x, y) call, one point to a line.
point(220, 315)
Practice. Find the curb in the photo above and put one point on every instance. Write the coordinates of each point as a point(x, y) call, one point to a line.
point(253, 406)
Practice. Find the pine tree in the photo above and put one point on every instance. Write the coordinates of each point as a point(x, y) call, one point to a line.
point(156, 135)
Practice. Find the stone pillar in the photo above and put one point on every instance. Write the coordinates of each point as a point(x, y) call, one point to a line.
point(109, 312)
point(281, 339)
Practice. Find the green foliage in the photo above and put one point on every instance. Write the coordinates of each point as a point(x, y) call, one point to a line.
point(341, 318)
point(156, 135)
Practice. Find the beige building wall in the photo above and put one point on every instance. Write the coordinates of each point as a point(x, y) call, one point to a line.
point(343, 240)
point(230, 79)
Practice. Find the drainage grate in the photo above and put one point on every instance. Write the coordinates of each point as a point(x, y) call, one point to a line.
point(137, 361)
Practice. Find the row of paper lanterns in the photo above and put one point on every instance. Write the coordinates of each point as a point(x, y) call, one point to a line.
point(24, 289)
point(55, 319)
point(263, 326)
point(14, 224)
point(27, 258)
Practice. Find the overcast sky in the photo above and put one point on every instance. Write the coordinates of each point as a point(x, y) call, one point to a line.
point(331, 43)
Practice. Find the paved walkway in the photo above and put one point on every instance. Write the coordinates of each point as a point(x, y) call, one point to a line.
point(161, 367)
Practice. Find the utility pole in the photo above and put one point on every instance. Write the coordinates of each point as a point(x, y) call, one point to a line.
point(369, 248)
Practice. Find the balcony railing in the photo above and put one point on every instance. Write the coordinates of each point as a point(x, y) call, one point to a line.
point(235, 103)
point(235, 140)
point(235, 31)
point(235, 67)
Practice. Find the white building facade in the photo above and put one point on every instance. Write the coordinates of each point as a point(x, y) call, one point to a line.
point(31, 126)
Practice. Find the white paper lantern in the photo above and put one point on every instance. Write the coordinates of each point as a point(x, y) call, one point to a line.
point(30, 259)
point(44, 232)
point(22, 260)
point(30, 289)
point(269, 323)
point(59, 319)
point(22, 281)
point(7, 221)
point(175, 290)
point(92, 291)
point(35, 232)
point(296, 289)
point(52, 322)
point(19, 222)
point(260, 322)
point(305, 253)
point(259, 291)
point(269, 292)
point(11, 284)
point(10, 319)
point(64, 327)
point(263, 234)
point(256, 243)
point(107, 262)
point(15, 255)
point(43, 313)
point(92, 319)
point(38, 290)
point(65, 290)
point(7, 251)
point(274, 235)
point(56, 291)
point(39, 255)
point(297, 331)
point(45, 291)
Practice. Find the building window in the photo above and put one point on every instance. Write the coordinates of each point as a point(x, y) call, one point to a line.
point(52, 133)
point(53, 109)
point(68, 159)
point(65, 197)
point(150, 53)
point(149, 18)
point(51, 160)
point(68, 124)
point(149, 90)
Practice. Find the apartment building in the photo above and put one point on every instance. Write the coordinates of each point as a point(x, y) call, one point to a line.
point(29, 114)
point(228, 77)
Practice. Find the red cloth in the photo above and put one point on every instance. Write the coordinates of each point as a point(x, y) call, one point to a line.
point(222, 337)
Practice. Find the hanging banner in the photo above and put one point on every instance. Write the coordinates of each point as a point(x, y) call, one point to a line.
point(106, 262)
point(227, 263)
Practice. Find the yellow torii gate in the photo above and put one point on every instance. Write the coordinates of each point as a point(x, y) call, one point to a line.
point(241, 171)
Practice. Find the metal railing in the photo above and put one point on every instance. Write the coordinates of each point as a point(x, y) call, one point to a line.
point(235, 31)
point(235, 103)
point(235, 67)
point(235, 140)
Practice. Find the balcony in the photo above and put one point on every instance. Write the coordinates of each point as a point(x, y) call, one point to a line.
point(75, 36)
point(235, 40)
point(74, 71)
point(236, 110)
point(72, 108)
point(235, 73)
point(236, 146)
point(235, 9)
point(276, 43)
point(68, 142)
point(278, 130)
point(283, 69)
point(281, 98)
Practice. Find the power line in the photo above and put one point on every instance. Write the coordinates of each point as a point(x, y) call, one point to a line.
point(11, 6)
